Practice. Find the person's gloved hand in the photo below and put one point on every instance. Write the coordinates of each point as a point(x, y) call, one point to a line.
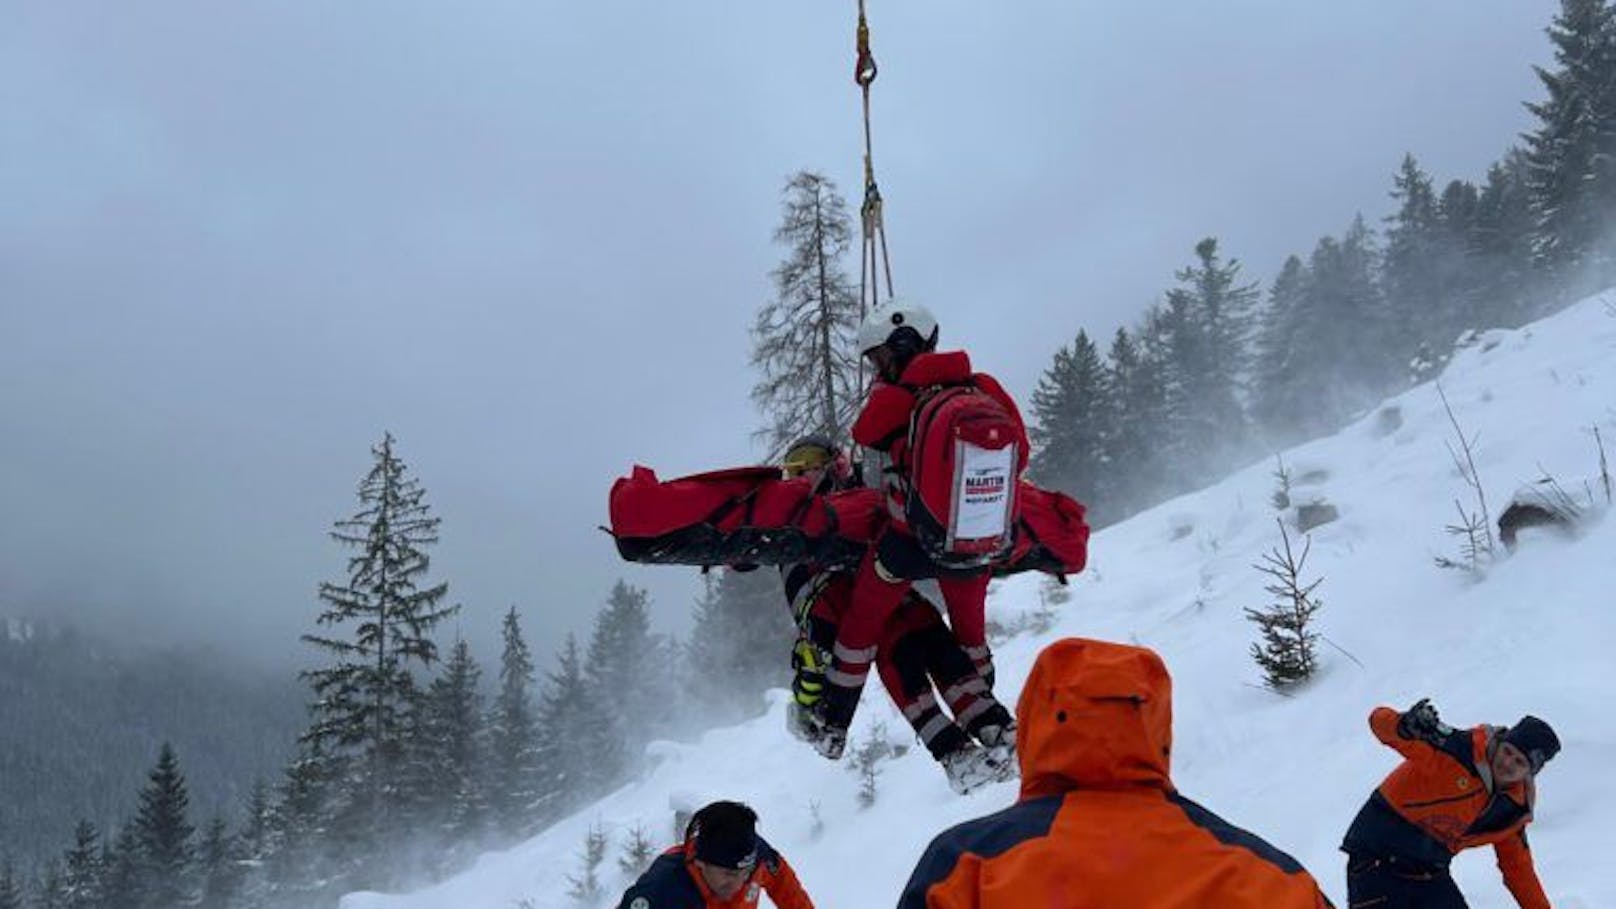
point(1421, 722)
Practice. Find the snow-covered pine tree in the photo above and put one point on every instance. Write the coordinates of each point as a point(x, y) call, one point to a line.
point(124, 883)
point(1571, 156)
point(83, 872)
point(163, 833)
point(1206, 321)
point(512, 736)
point(802, 340)
point(219, 876)
point(449, 764)
point(364, 699)
point(1072, 426)
point(1164, 374)
point(630, 678)
point(307, 863)
point(1287, 651)
point(1341, 305)
point(1456, 211)
point(1501, 245)
point(1227, 309)
point(1276, 406)
point(1135, 398)
point(1411, 273)
point(252, 848)
point(740, 638)
point(568, 731)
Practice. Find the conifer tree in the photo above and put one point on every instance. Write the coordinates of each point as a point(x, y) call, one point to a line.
point(1571, 156)
point(1501, 243)
point(306, 860)
point(1456, 266)
point(163, 833)
point(220, 876)
point(513, 742)
point(1136, 399)
point(803, 339)
point(638, 852)
point(1408, 275)
point(125, 886)
point(1176, 350)
point(1287, 651)
point(452, 755)
point(628, 673)
point(1340, 308)
point(365, 698)
point(1072, 426)
point(1161, 373)
point(1210, 315)
point(569, 733)
point(741, 632)
point(252, 851)
point(83, 872)
point(585, 888)
point(1277, 406)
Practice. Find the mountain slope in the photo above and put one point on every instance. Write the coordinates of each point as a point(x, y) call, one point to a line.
point(1534, 635)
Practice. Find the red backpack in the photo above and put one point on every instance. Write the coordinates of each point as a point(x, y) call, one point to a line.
point(964, 466)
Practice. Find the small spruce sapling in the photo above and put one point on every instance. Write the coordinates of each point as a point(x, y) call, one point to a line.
point(637, 852)
point(866, 762)
point(1287, 653)
point(1281, 499)
point(1474, 528)
point(585, 888)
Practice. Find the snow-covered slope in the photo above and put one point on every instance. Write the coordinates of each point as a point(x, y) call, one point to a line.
point(1536, 635)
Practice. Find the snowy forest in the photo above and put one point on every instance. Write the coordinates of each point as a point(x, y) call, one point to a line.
point(415, 758)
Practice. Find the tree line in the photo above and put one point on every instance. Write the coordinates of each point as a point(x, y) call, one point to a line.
point(1220, 371)
point(411, 765)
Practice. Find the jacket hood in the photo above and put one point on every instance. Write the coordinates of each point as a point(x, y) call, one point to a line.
point(936, 369)
point(1094, 715)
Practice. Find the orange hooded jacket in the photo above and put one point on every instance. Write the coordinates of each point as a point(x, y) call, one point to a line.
point(1098, 824)
point(1442, 799)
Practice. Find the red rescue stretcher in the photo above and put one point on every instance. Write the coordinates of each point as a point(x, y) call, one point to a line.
point(753, 516)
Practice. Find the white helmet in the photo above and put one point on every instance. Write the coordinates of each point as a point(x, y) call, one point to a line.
point(893, 316)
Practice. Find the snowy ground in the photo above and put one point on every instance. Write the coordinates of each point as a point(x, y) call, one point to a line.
point(1535, 635)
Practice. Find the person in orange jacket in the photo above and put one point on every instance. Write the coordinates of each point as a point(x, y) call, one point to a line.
point(722, 864)
point(1456, 788)
point(1099, 824)
point(899, 340)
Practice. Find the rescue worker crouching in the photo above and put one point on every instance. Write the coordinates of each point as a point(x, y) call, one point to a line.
point(722, 864)
point(1455, 789)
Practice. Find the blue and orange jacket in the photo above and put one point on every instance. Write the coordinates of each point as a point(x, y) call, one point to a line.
point(672, 882)
point(1441, 799)
point(1099, 824)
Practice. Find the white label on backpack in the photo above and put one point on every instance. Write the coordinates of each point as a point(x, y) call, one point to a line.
point(982, 492)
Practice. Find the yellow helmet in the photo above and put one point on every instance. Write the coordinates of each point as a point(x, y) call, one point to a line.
point(809, 453)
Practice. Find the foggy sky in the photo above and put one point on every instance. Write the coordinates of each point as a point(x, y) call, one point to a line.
point(238, 242)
